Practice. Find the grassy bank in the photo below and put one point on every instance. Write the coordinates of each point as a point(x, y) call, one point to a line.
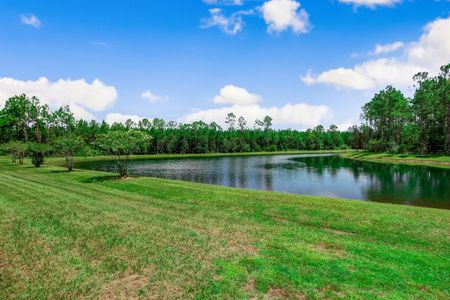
point(442, 161)
point(85, 234)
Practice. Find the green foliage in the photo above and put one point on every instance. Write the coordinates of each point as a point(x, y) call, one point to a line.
point(38, 152)
point(121, 144)
point(392, 123)
point(17, 150)
point(68, 146)
point(397, 124)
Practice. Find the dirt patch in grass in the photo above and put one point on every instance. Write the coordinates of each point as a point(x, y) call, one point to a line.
point(126, 287)
point(241, 246)
point(277, 293)
point(328, 248)
point(338, 232)
point(3, 261)
point(165, 290)
point(250, 285)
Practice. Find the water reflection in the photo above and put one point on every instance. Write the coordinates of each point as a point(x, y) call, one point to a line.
point(326, 175)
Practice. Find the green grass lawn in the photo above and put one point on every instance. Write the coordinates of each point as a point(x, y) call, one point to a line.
point(442, 161)
point(85, 234)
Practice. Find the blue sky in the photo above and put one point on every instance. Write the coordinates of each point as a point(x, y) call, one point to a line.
point(304, 62)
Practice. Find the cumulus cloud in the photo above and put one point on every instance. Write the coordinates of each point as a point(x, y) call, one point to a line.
point(112, 118)
point(292, 115)
point(427, 54)
point(31, 20)
point(387, 48)
point(152, 97)
point(280, 15)
point(82, 97)
point(231, 94)
point(344, 126)
point(243, 103)
point(371, 3)
point(231, 25)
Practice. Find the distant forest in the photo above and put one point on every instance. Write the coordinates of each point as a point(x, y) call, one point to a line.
point(391, 122)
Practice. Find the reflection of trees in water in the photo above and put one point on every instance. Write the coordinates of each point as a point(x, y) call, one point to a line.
point(417, 185)
point(423, 186)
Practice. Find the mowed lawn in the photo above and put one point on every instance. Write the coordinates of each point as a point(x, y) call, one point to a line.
point(442, 161)
point(86, 235)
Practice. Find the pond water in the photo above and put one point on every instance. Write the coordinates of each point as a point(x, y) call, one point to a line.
point(325, 175)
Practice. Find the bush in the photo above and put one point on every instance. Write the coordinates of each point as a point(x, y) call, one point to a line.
point(376, 146)
point(17, 151)
point(271, 148)
point(37, 152)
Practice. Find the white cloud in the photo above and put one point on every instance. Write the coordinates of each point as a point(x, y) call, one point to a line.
point(121, 118)
point(231, 94)
point(371, 3)
point(427, 54)
point(32, 20)
point(387, 48)
point(231, 25)
point(292, 115)
point(344, 126)
point(243, 103)
point(281, 15)
point(82, 97)
point(152, 97)
point(224, 2)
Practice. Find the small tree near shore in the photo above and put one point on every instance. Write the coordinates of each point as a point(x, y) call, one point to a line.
point(121, 144)
point(69, 146)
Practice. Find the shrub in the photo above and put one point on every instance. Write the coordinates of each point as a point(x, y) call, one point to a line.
point(17, 151)
point(37, 152)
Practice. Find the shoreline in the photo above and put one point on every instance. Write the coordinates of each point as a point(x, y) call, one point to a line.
point(439, 161)
point(106, 233)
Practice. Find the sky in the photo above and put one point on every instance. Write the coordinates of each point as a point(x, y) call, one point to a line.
point(303, 62)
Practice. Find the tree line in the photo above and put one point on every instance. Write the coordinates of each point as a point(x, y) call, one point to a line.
point(391, 122)
point(420, 124)
point(24, 119)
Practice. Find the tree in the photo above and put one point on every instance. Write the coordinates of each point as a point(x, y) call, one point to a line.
point(267, 122)
point(121, 144)
point(259, 124)
point(386, 114)
point(37, 152)
point(242, 123)
point(230, 120)
point(68, 146)
point(17, 151)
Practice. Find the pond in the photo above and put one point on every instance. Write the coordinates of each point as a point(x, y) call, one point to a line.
point(311, 174)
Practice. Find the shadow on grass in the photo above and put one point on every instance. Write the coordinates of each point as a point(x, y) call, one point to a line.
point(60, 171)
point(97, 179)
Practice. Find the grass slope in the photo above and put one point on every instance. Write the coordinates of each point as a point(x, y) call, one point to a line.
point(442, 161)
point(84, 234)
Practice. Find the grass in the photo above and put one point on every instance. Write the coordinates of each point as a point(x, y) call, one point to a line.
point(442, 161)
point(85, 234)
